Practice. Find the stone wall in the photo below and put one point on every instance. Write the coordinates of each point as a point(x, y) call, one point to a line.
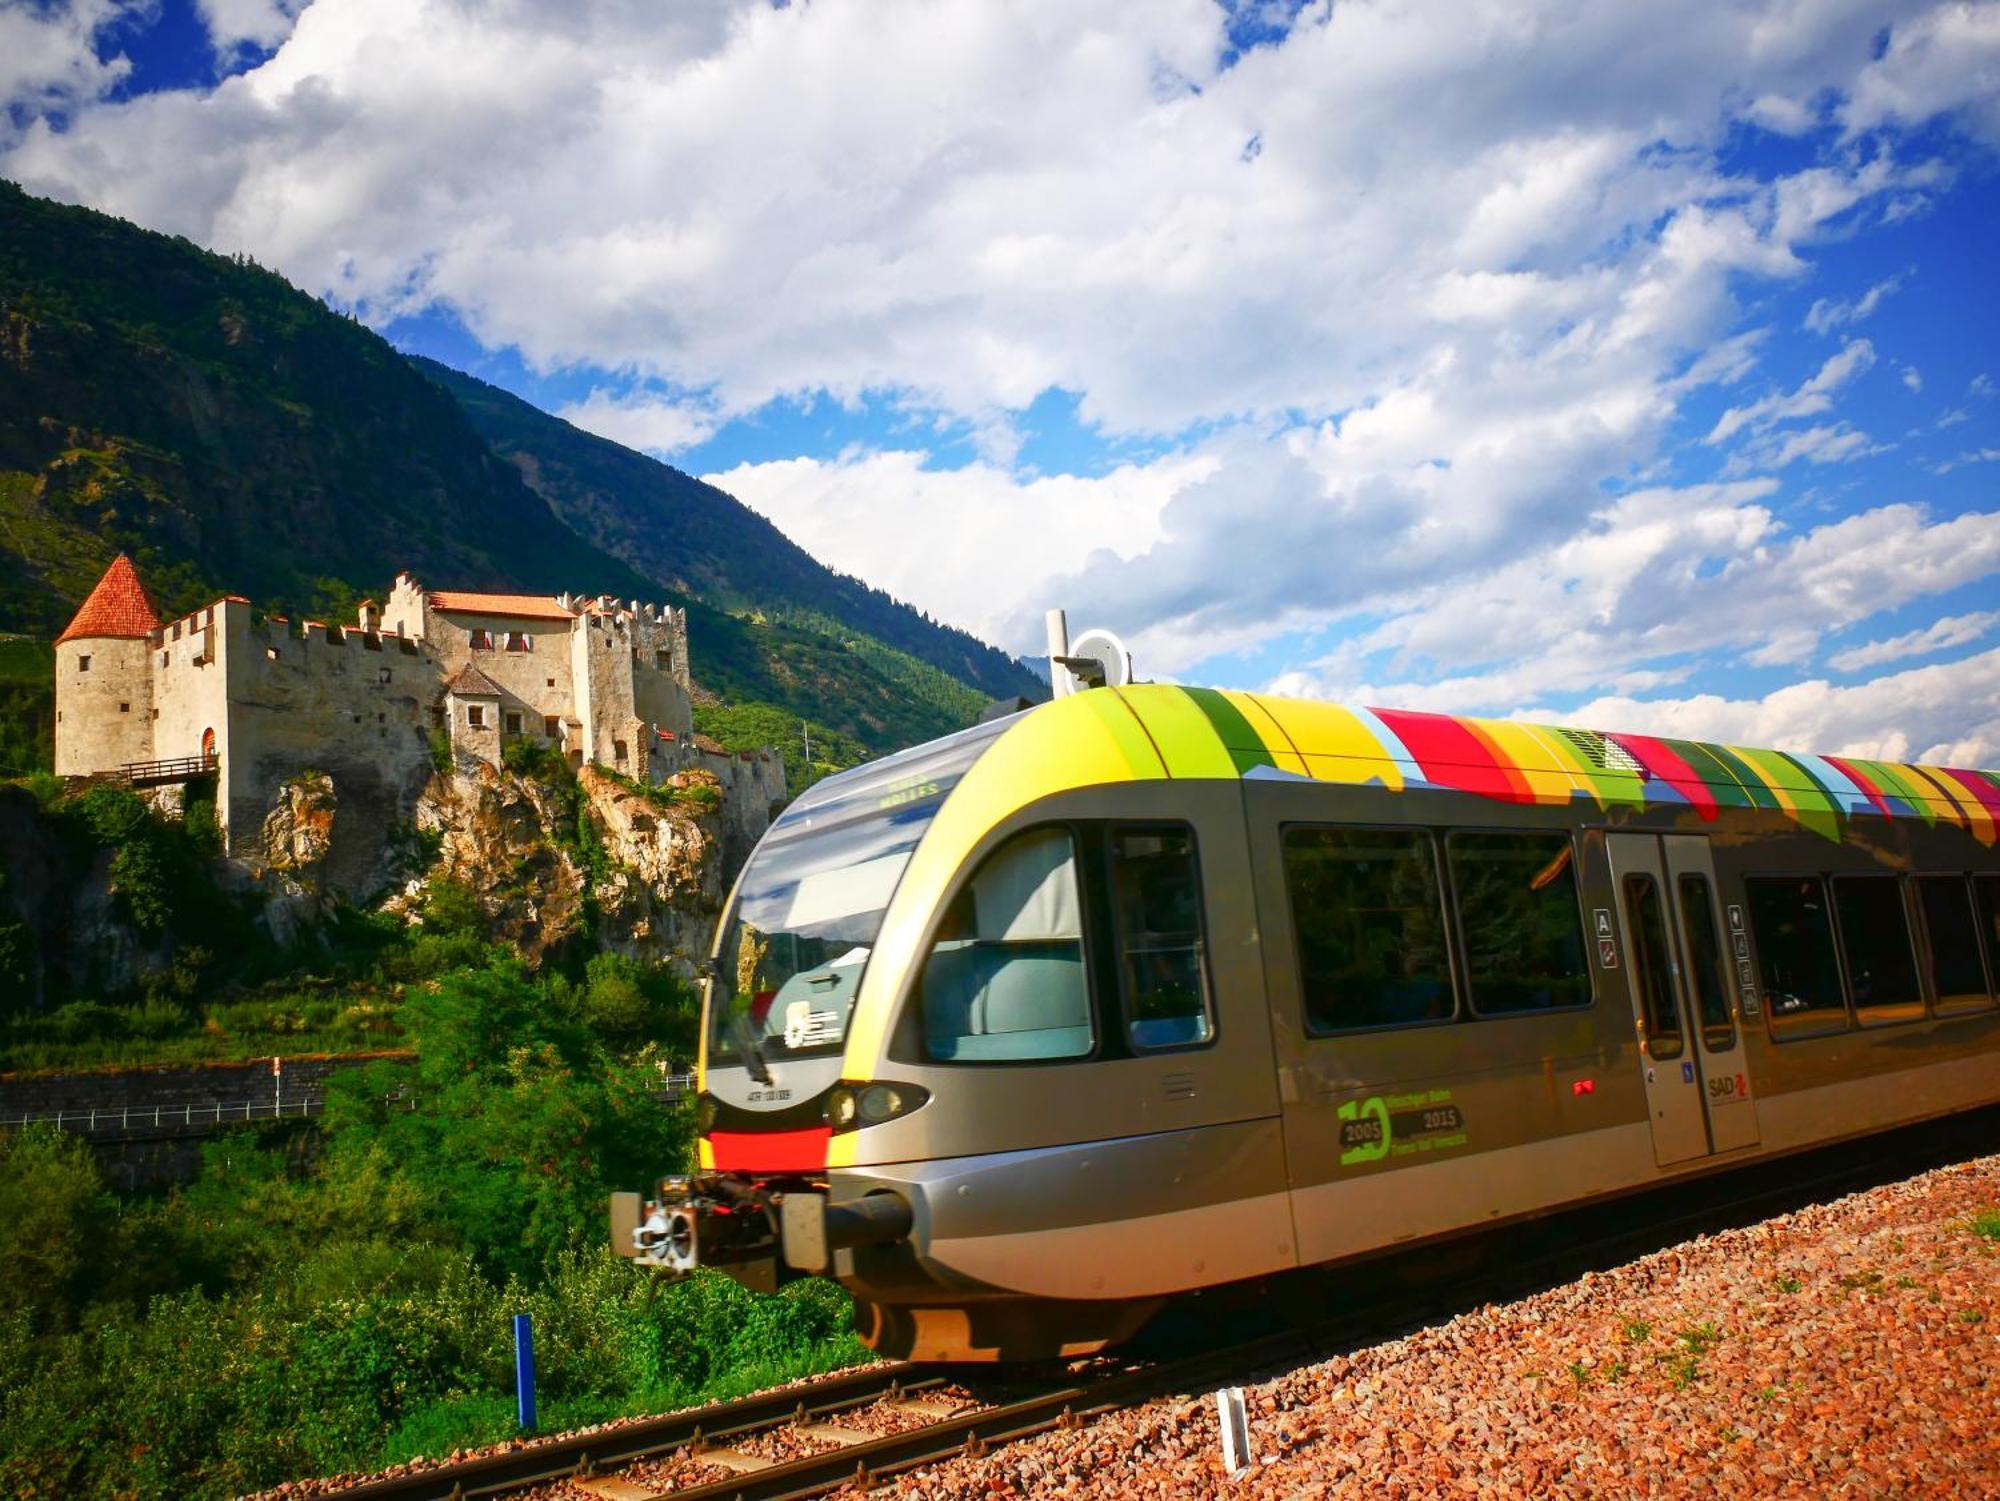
point(104, 705)
point(147, 1125)
point(354, 704)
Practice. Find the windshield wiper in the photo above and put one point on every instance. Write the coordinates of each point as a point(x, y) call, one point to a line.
point(746, 1044)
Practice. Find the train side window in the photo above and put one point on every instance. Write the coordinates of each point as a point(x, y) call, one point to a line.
point(1660, 1012)
point(1875, 942)
point(1794, 937)
point(1368, 918)
point(1986, 897)
point(1005, 980)
point(1958, 979)
point(1718, 1031)
point(1522, 923)
point(1156, 912)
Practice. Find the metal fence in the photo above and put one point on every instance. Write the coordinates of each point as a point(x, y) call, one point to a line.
point(126, 1119)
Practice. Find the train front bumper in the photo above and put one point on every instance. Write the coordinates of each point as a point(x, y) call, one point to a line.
point(760, 1232)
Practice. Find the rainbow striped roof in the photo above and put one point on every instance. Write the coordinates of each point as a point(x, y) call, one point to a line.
point(1164, 730)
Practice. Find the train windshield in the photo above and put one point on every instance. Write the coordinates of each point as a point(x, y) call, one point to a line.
point(796, 940)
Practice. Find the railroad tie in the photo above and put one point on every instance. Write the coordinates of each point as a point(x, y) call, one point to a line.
point(925, 1407)
point(611, 1488)
point(734, 1460)
point(834, 1433)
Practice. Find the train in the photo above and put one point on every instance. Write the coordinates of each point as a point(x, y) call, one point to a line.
point(1152, 989)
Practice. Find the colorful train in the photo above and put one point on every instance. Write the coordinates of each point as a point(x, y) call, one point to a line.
point(1149, 989)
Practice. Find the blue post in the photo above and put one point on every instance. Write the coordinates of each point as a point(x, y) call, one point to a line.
point(524, 1368)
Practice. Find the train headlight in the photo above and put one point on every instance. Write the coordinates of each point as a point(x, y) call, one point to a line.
point(852, 1105)
point(704, 1115)
point(841, 1106)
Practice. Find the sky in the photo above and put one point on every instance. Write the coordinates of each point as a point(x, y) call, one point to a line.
point(1630, 365)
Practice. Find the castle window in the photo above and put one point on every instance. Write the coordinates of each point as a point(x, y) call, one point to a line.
point(381, 718)
point(482, 641)
point(550, 682)
point(164, 658)
point(520, 641)
point(124, 708)
point(270, 654)
point(177, 630)
point(475, 716)
point(619, 750)
point(513, 722)
point(663, 659)
point(83, 663)
point(382, 675)
point(549, 725)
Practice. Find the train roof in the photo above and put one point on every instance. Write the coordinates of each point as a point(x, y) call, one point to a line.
point(1161, 730)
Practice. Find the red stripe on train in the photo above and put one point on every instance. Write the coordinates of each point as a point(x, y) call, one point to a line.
point(770, 1151)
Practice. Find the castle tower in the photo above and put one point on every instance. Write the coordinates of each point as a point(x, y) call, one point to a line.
point(104, 681)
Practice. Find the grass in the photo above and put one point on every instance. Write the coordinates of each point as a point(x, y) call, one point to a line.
point(1696, 1342)
point(88, 1034)
point(1985, 1224)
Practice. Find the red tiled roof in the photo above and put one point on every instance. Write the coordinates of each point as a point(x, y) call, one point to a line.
point(118, 606)
point(537, 606)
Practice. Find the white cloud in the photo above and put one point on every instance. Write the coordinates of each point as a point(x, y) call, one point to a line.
point(972, 203)
point(1913, 378)
point(976, 546)
point(1944, 60)
point(256, 25)
point(1944, 714)
point(48, 56)
point(1400, 352)
point(1660, 578)
point(1940, 635)
point(1828, 314)
point(1965, 457)
point(656, 424)
point(1810, 399)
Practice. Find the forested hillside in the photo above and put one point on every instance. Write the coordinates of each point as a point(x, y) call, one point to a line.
point(691, 536)
point(236, 435)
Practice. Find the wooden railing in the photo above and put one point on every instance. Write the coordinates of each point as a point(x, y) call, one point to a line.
point(164, 773)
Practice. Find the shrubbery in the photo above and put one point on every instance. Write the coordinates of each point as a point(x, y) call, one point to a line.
point(273, 1319)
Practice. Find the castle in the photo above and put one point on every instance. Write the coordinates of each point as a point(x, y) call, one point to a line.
point(252, 700)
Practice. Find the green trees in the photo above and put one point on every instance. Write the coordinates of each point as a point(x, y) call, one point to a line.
point(290, 1313)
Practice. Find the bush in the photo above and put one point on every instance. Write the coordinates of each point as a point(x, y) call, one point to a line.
point(51, 1190)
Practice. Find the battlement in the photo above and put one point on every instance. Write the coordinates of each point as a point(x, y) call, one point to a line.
point(262, 696)
point(250, 700)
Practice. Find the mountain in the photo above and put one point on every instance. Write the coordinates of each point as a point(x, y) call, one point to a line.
point(690, 536)
point(236, 435)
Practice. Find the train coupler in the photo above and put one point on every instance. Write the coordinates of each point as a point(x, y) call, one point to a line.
point(759, 1233)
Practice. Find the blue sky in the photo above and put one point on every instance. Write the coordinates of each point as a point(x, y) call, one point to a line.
point(1629, 364)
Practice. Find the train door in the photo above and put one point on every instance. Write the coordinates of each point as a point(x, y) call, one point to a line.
point(1697, 1082)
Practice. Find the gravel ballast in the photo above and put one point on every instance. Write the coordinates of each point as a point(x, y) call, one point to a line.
point(1847, 1348)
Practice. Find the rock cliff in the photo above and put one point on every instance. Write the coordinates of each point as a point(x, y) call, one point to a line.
point(638, 869)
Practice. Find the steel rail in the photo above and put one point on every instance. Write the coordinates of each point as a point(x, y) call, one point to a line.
point(1079, 1399)
point(589, 1453)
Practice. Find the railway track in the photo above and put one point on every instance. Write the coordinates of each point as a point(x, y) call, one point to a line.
point(1381, 1303)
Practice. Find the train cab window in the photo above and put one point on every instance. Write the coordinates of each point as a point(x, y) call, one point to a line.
point(1522, 923)
point(1958, 979)
point(1704, 944)
point(1369, 923)
point(1156, 909)
point(1875, 942)
point(1794, 937)
point(1651, 972)
point(1005, 980)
